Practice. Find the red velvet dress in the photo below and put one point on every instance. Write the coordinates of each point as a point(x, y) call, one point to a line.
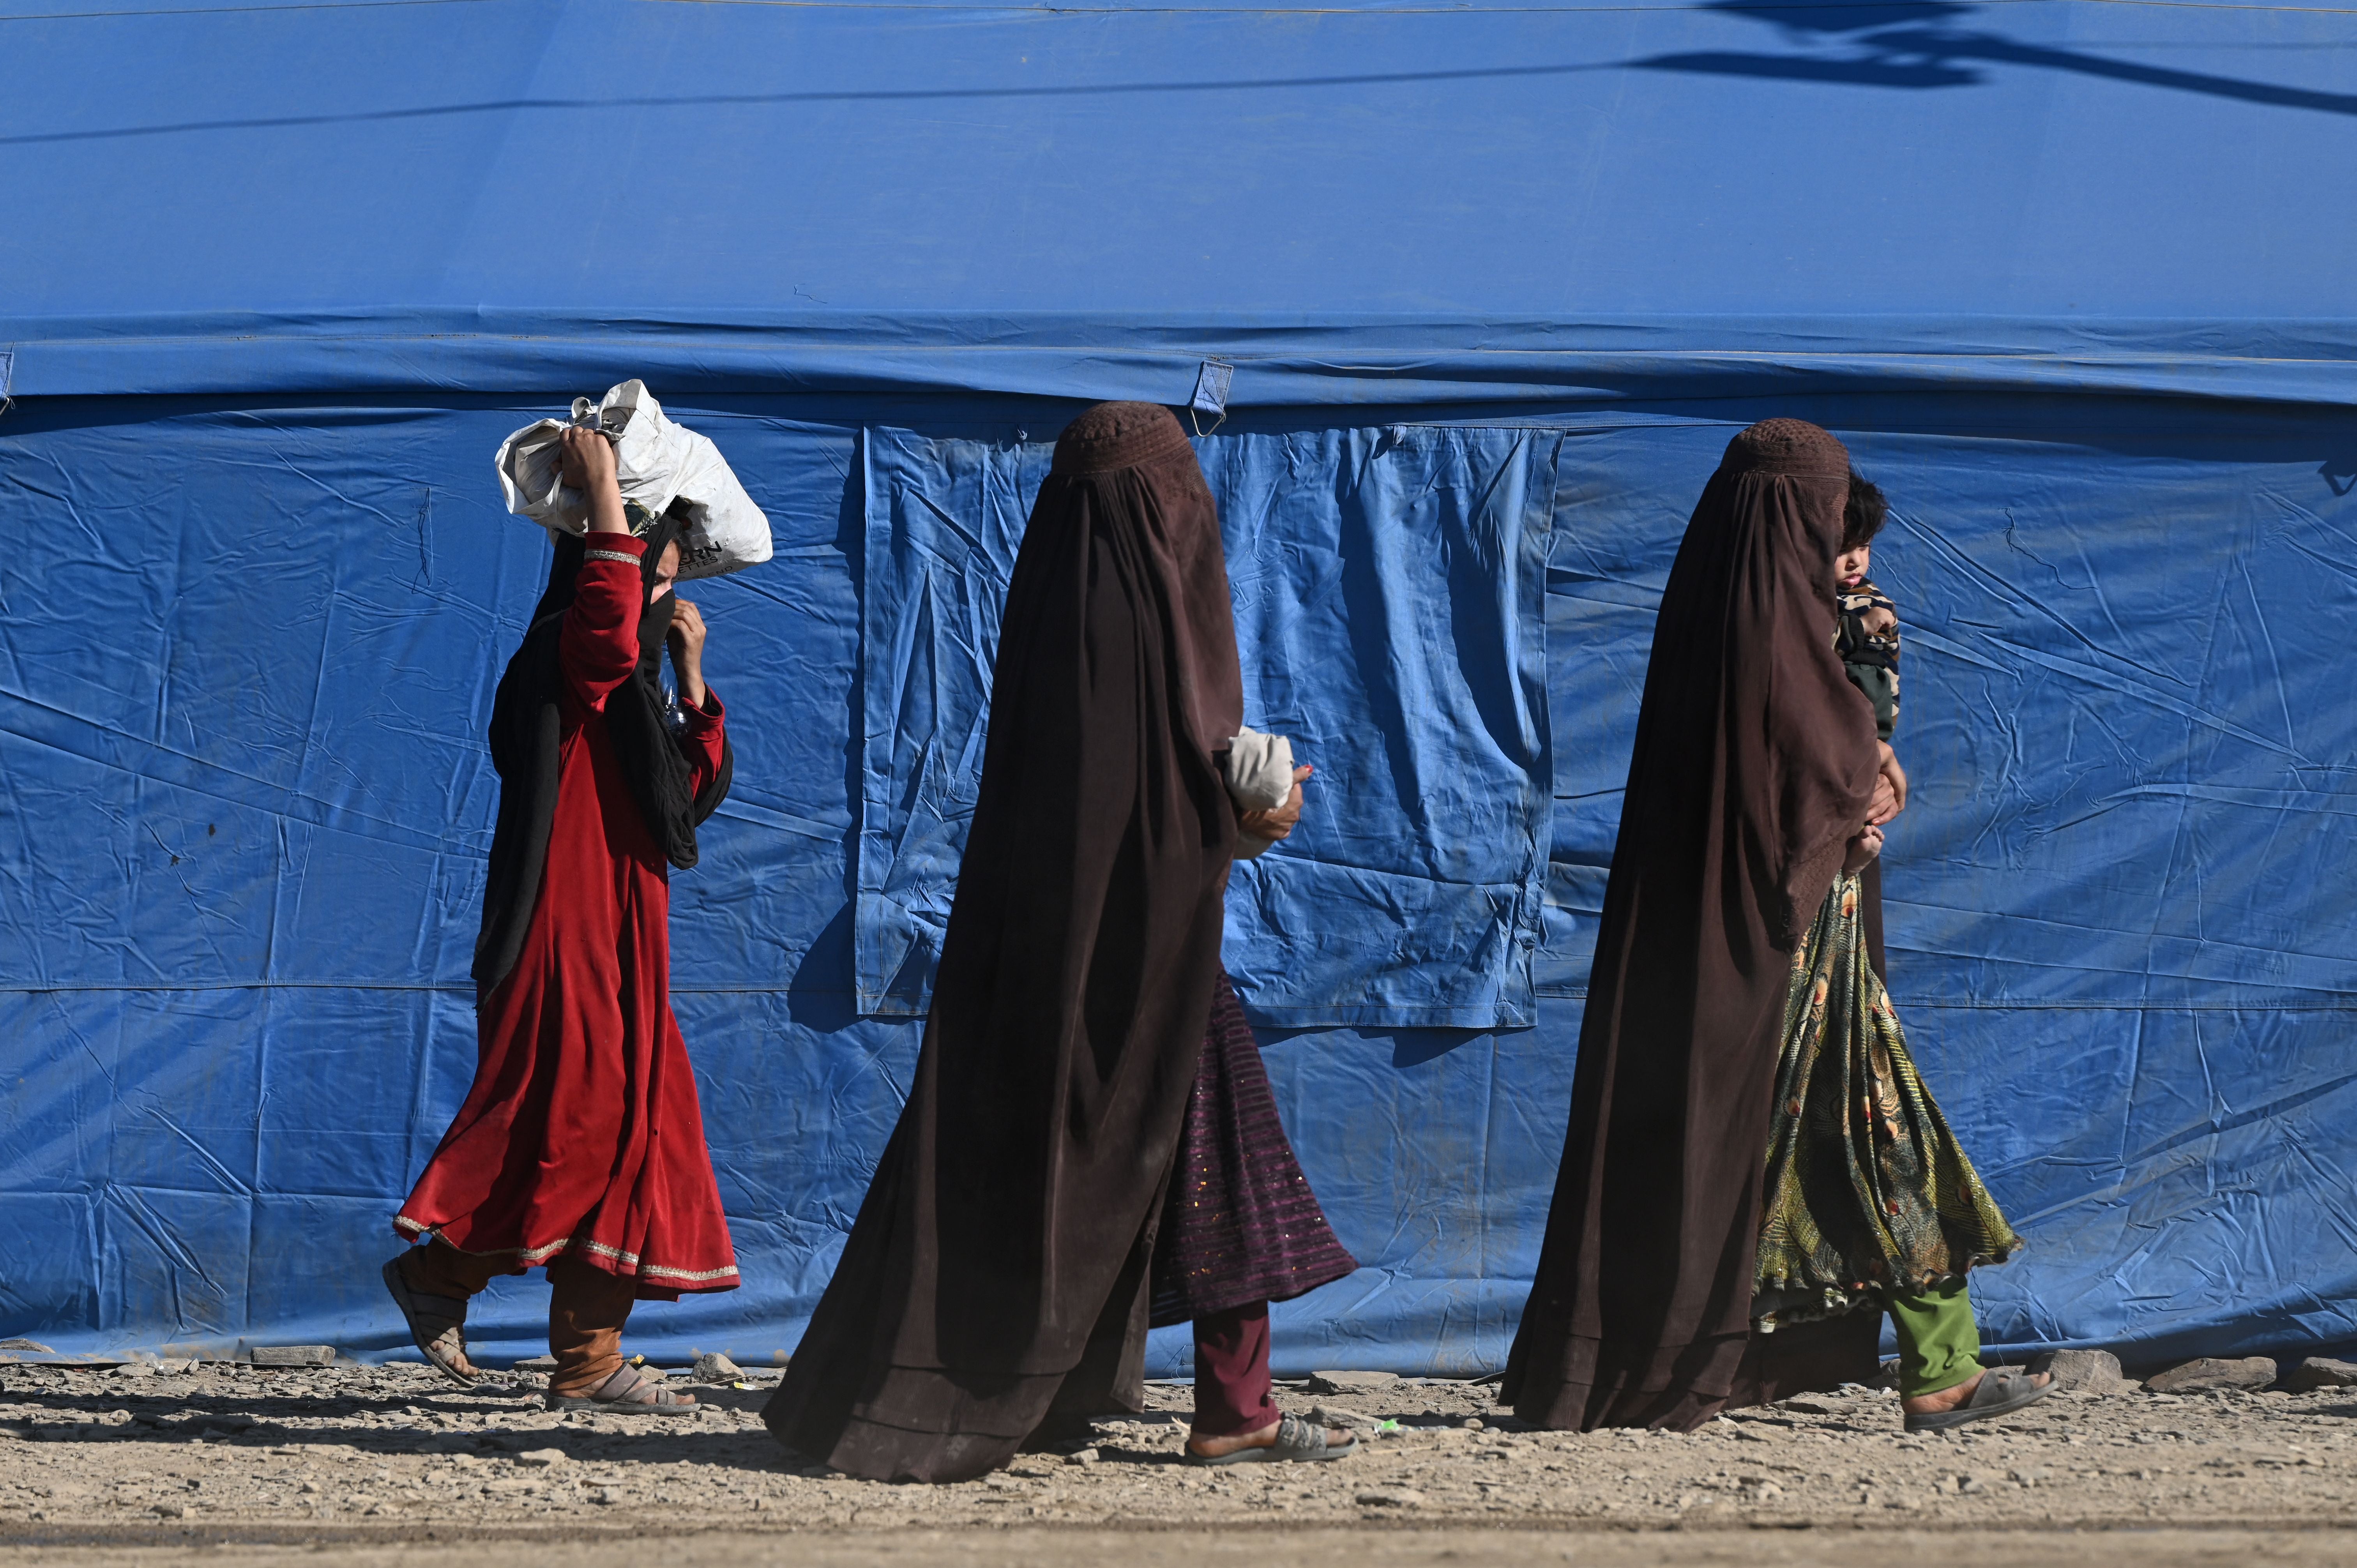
point(582, 1132)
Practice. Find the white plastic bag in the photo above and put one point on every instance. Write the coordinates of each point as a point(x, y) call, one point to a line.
point(657, 462)
point(1260, 770)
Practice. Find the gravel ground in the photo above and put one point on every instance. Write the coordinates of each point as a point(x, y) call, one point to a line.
point(354, 1455)
point(1033, 1546)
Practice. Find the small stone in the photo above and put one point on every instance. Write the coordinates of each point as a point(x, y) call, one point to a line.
point(2028, 1476)
point(1082, 1456)
point(536, 1364)
point(2206, 1373)
point(294, 1354)
point(2320, 1372)
point(1391, 1497)
point(1471, 1423)
point(1351, 1382)
point(541, 1456)
point(170, 1510)
point(1968, 1484)
point(712, 1367)
point(2096, 1370)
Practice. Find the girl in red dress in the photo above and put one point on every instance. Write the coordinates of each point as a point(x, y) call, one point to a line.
point(580, 1146)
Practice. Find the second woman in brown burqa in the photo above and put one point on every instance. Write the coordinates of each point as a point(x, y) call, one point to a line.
point(1754, 1173)
point(1755, 762)
point(1089, 1144)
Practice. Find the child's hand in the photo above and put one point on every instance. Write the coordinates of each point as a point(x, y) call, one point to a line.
point(1277, 821)
point(586, 460)
point(686, 640)
point(1861, 850)
point(585, 457)
point(1889, 786)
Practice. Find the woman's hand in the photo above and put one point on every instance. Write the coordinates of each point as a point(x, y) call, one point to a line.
point(1861, 851)
point(586, 459)
point(1276, 822)
point(686, 640)
point(1889, 786)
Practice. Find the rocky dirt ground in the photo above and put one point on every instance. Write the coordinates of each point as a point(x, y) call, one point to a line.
point(100, 1466)
point(1398, 1546)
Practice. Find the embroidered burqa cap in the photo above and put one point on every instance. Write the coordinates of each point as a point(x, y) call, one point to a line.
point(1754, 763)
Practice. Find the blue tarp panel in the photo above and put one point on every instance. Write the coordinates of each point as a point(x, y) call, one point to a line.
point(1388, 588)
point(2058, 271)
point(1402, 202)
point(246, 808)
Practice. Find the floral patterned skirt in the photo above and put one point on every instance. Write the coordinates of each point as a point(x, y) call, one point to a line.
point(1869, 1194)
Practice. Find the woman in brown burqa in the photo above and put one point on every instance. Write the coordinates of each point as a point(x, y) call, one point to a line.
point(1748, 1141)
point(1090, 1146)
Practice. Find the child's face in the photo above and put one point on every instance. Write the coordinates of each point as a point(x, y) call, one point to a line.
point(666, 570)
point(1851, 565)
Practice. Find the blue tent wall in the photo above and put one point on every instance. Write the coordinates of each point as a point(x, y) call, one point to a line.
point(2059, 272)
point(249, 808)
point(1380, 203)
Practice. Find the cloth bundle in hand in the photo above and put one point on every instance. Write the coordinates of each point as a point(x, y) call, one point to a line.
point(1259, 770)
point(657, 462)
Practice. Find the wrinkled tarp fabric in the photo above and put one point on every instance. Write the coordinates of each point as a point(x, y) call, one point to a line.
point(246, 805)
point(1409, 204)
point(1388, 588)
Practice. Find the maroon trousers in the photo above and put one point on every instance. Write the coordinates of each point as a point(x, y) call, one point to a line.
point(1231, 1379)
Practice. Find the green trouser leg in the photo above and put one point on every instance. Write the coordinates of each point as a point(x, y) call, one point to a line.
point(1939, 1343)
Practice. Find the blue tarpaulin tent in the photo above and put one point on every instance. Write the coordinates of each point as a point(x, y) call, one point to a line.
point(1496, 282)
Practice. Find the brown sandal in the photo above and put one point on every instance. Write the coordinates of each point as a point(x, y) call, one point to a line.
point(629, 1391)
point(438, 1323)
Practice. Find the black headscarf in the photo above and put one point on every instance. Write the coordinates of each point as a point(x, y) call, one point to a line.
point(527, 729)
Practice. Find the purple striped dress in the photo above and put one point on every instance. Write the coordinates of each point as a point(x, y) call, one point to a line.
point(1239, 1224)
